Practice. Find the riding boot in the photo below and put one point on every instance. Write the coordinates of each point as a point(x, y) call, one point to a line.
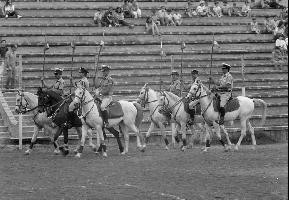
point(105, 118)
point(192, 117)
point(222, 115)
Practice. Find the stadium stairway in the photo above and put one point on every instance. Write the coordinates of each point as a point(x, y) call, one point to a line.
point(135, 56)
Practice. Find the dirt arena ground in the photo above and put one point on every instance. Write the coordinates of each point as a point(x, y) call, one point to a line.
point(156, 174)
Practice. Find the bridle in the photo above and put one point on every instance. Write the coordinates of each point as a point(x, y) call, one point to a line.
point(23, 108)
point(169, 109)
point(82, 103)
point(145, 99)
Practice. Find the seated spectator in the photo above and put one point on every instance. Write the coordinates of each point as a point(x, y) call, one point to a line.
point(217, 9)
point(278, 58)
point(226, 8)
point(273, 4)
point(284, 14)
point(3, 51)
point(170, 18)
point(255, 4)
point(281, 43)
point(208, 10)
point(236, 11)
point(108, 19)
point(97, 17)
point(162, 16)
point(190, 11)
point(254, 26)
point(126, 7)
point(246, 10)
point(119, 18)
point(155, 17)
point(201, 9)
point(136, 11)
point(269, 25)
point(177, 17)
point(9, 10)
point(279, 30)
point(151, 26)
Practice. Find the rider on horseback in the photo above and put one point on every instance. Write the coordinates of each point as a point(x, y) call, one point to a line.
point(83, 81)
point(104, 88)
point(175, 86)
point(58, 86)
point(224, 86)
point(195, 79)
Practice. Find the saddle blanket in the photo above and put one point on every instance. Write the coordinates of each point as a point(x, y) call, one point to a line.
point(198, 110)
point(232, 105)
point(114, 110)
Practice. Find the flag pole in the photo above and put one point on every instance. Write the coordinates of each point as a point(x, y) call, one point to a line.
point(96, 61)
point(72, 44)
point(161, 65)
point(243, 75)
point(211, 64)
point(46, 47)
point(183, 46)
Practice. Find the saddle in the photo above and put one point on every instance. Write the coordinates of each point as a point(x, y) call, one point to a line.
point(231, 105)
point(197, 108)
point(114, 110)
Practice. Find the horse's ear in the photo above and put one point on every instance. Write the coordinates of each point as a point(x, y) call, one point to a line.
point(39, 91)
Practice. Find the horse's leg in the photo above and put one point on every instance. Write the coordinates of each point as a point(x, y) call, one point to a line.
point(218, 133)
point(102, 141)
point(65, 150)
point(151, 128)
point(164, 136)
point(55, 138)
point(207, 137)
point(90, 142)
point(116, 135)
point(82, 141)
point(137, 132)
point(33, 140)
point(174, 138)
point(227, 136)
point(251, 130)
point(243, 133)
point(124, 130)
point(184, 136)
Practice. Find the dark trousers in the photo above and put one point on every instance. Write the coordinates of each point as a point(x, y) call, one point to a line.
point(12, 14)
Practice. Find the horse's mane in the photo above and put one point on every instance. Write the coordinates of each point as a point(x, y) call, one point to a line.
point(54, 95)
point(31, 97)
point(173, 96)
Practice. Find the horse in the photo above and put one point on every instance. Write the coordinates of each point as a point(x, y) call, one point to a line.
point(241, 107)
point(27, 102)
point(56, 108)
point(173, 105)
point(91, 118)
point(150, 97)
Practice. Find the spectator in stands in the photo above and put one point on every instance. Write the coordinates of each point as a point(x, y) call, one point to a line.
point(9, 10)
point(236, 11)
point(3, 51)
point(274, 4)
point(277, 58)
point(279, 30)
point(269, 25)
point(136, 11)
point(10, 66)
point(190, 11)
point(177, 17)
point(151, 27)
point(256, 4)
point(97, 17)
point(201, 9)
point(155, 17)
point(255, 26)
point(126, 7)
point(119, 18)
point(226, 8)
point(163, 16)
point(108, 19)
point(284, 14)
point(246, 10)
point(281, 44)
point(217, 10)
point(208, 9)
point(170, 17)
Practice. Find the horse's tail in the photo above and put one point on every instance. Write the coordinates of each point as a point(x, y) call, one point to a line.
point(264, 111)
point(139, 115)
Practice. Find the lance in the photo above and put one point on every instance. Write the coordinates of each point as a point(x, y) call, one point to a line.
point(96, 59)
point(211, 64)
point(183, 46)
point(162, 54)
point(46, 47)
point(72, 45)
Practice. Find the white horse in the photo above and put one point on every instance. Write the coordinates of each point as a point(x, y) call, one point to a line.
point(91, 118)
point(28, 103)
point(151, 98)
point(173, 105)
point(243, 112)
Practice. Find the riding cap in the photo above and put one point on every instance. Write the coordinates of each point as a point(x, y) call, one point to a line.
point(105, 67)
point(58, 71)
point(83, 70)
point(194, 71)
point(226, 66)
point(174, 72)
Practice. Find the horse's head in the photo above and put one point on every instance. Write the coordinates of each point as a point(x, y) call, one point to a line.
point(44, 100)
point(78, 99)
point(195, 91)
point(163, 100)
point(21, 103)
point(143, 95)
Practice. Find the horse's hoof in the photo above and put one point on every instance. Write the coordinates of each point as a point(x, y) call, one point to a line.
point(104, 154)
point(167, 148)
point(94, 149)
point(56, 152)
point(78, 155)
point(122, 153)
point(75, 151)
point(183, 148)
point(27, 152)
point(64, 151)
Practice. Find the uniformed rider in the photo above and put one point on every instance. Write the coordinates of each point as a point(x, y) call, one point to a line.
point(224, 87)
point(83, 82)
point(195, 80)
point(175, 86)
point(104, 90)
point(58, 86)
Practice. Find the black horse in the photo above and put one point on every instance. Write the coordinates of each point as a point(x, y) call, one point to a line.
point(57, 108)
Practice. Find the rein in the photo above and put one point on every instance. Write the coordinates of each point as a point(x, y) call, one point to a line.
point(21, 106)
point(170, 109)
point(82, 103)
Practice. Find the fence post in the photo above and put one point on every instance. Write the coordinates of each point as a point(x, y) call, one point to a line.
point(20, 114)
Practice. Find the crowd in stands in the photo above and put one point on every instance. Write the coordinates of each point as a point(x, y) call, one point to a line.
point(8, 10)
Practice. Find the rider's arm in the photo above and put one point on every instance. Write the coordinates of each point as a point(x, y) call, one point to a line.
point(108, 88)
